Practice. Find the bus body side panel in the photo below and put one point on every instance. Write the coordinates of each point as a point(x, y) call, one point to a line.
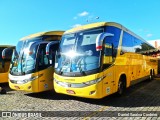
point(4, 72)
point(109, 81)
point(45, 80)
point(3, 77)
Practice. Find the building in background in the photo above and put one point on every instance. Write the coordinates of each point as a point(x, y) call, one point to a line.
point(155, 43)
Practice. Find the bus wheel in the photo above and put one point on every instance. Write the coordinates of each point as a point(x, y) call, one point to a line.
point(121, 87)
point(2, 91)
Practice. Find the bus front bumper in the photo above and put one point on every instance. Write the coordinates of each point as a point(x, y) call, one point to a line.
point(24, 87)
point(92, 91)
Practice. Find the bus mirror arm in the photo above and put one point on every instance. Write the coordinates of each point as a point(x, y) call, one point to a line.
point(4, 53)
point(7, 53)
point(49, 45)
point(100, 38)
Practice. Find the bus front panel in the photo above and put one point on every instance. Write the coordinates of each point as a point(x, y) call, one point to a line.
point(26, 82)
point(88, 86)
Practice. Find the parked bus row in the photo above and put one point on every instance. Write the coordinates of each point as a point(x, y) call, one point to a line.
point(92, 61)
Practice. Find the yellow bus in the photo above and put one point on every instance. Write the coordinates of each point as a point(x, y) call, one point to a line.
point(31, 69)
point(99, 59)
point(4, 64)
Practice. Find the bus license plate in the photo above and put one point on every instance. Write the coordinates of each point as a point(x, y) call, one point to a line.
point(70, 91)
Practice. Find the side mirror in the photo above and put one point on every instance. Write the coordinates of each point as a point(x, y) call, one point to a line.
point(7, 53)
point(99, 40)
point(51, 51)
point(49, 45)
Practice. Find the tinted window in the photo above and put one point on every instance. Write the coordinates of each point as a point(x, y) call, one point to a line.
point(133, 44)
point(114, 41)
point(127, 42)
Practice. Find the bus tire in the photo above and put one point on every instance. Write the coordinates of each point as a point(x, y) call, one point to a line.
point(121, 87)
point(2, 91)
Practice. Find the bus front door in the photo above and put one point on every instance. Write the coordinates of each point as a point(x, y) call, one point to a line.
point(108, 70)
point(45, 70)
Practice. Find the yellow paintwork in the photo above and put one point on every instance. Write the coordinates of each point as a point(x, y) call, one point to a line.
point(45, 80)
point(4, 72)
point(134, 66)
point(59, 33)
point(82, 91)
point(79, 91)
point(109, 84)
point(37, 85)
point(4, 77)
point(31, 86)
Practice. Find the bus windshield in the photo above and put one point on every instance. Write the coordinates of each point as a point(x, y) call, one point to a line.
point(23, 61)
point(77, 53)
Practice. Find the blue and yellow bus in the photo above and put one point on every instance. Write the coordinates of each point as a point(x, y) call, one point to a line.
point(31, 69)
point(99, 59)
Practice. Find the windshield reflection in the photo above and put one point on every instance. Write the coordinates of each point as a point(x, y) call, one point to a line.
point(78, 53)
point(23, 61)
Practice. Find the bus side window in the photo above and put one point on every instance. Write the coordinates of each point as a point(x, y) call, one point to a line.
point(108, 55)
point(108, 49)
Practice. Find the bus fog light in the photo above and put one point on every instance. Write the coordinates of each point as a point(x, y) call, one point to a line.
point(29, 87)
point(17, 87)
point(92, 92)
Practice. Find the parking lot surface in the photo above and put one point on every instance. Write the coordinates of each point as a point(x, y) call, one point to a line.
point(141, 101)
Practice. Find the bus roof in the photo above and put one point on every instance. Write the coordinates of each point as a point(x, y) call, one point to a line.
point(43, 33)
point(101, 24)
point(84, 27)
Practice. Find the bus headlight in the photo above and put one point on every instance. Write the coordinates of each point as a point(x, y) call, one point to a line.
point(32, 78)
point(26, 80)
point(93, 81)
point(77, 85)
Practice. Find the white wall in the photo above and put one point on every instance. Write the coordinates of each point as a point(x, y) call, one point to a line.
point(152, 42)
